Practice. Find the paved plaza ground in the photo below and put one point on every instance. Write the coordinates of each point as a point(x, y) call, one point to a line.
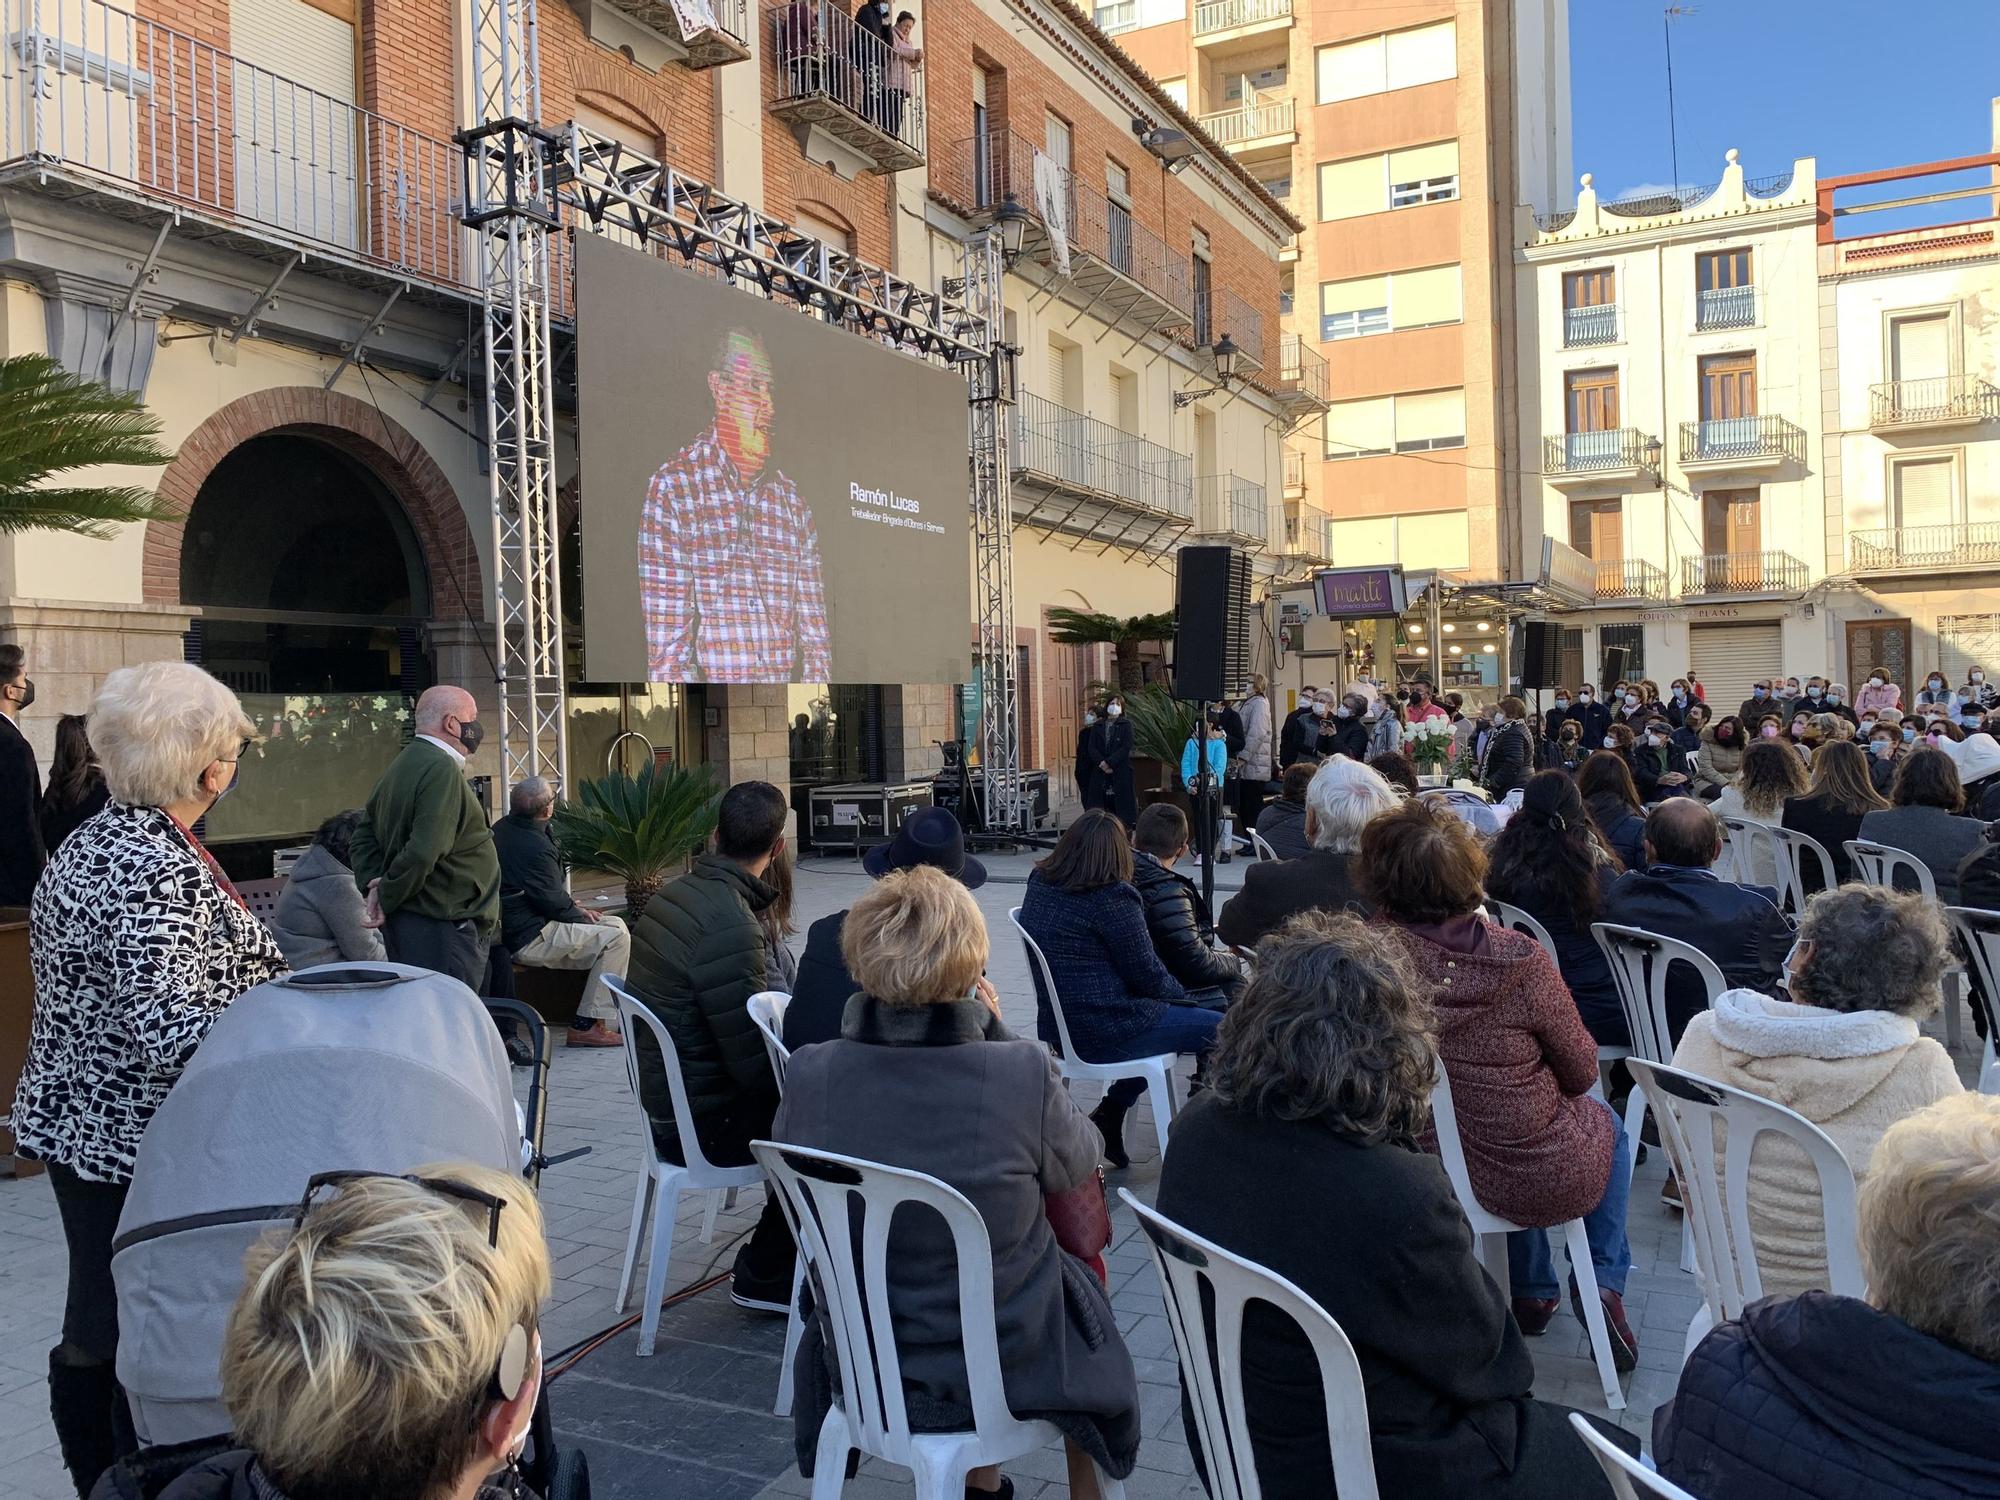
point(695, 1419)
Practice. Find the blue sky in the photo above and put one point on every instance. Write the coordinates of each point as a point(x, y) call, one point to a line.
point(1779, 79)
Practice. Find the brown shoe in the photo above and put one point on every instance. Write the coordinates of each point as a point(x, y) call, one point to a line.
point(603, 1034)
point(1533, 1313)
point(1670, 1192)
point(1624, 1342)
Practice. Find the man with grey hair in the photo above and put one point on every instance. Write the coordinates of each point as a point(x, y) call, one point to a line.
point(540, 923)
point(1343, 796)
point(423, 852)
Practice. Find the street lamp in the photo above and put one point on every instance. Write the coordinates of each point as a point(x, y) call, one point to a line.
point(1654, 450)
point(1224, 350)
point(1012, 221)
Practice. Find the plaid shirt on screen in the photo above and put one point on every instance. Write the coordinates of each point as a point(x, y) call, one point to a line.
point(729, 575)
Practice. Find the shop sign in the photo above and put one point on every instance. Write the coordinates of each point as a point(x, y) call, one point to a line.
point(1361, 593)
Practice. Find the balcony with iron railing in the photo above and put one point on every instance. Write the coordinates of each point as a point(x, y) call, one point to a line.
point(1940, 401)
point(1630, 578)
point(1056, 451)
point(1925, 549)
point(1620, 456)
point(1086, 249)
point(1744, 573)
point(1267, 127)
point(1295, 472)
point(99, 95)
point(1586, 327)
point(847, 93)
point(1720, 443)
point(1302, 376)
point(1725, 307)
point(1308, 533)
point(1220, 21)
point(699, 33)
point(1228, 505)
point(1245, 326)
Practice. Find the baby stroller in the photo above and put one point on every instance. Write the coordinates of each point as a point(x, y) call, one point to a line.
point(376, 1066)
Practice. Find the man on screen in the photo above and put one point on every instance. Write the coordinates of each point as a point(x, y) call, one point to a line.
point(729, 572)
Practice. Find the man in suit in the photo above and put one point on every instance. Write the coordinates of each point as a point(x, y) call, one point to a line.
point(1742, 927)
point(21, 853)
point(424, 853)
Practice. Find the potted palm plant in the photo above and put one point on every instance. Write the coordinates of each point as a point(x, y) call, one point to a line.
point(640, 828)
point(51, 422)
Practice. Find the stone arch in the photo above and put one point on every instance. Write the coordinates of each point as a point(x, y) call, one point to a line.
point(357, 428)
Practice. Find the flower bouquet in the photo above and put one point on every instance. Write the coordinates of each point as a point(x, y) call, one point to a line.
point(1430, 745)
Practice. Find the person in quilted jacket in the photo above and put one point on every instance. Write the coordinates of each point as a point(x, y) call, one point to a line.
point(1896, 1397)
point(698, 955)
point(1176, 917)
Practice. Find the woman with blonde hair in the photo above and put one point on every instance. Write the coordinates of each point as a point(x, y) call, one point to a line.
point(924, 1076)
point(386, 1345)
point(1772, 772)
point(138, 942)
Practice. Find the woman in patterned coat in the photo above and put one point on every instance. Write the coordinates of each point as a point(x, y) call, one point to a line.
point(138, 942)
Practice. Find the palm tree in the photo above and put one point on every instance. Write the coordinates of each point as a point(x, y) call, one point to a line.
point(1082, 627)
point(638, 828)
point(52, 421)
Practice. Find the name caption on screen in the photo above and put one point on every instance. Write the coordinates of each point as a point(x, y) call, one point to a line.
point(902, 510)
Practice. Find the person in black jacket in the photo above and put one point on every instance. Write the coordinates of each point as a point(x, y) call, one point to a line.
point(1111, 751)
point(1176, 917)
point(1553, 720)
point(540, 923)
point(1298, 738)
point(1510, 754)
point(1658, 769)
point(1319, 1087)
point(1831, 812)
point(21, 852)
point(1594, 717)
point(76, 790)
point(1086, 763)
point(1350, 729)
point(929, 836)
point(1605, 784)
point(1342, 796)
point(1896, 1396)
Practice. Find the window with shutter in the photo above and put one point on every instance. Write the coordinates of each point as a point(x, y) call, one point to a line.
point(1379, 64)
point(1425, 54)
point(1348, 189)
point(1353, 309)
point(1361, 429)
point(1430, 419)
point(1363, 540)
point(294, 118)
point(1351, 70)
point(1423, 174)
point(1920, 348)
point(1422, 299)
point(1925, 490)
point(1440, 539)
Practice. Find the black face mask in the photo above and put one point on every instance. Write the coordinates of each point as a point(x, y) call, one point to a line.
point(27, 690)
point(470, 736)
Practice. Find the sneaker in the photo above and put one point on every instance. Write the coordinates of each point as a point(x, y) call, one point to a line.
point(1533, 1313)
point(760, 1296)
point(597, 1034)
point(1670, 1193)
point(1624, 1342)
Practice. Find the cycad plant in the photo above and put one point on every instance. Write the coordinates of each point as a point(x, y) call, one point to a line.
point(1082, 627)
point(52, 421)
point(1160, 724)
point(639, 828)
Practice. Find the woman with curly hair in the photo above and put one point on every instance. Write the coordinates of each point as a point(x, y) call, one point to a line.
point(1319, 1088)
point(1773, 772)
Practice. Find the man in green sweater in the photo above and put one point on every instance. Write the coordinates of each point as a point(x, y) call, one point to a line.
point(423, 852)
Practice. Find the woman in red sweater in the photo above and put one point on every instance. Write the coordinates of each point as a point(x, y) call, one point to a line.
point(1540, 1150)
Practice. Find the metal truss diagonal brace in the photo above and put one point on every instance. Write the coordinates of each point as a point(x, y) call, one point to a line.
point(355, 350)
point(266, 300)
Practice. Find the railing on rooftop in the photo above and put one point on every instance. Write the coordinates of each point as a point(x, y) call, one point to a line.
point(1230, 505)
point(822, 55)
point(101, 91)
point(1227, 15)
point(1744, 573)
point(1083, 454)
point(1301, 368)
point(1249, 122)
point(1902, 549)
point(1937, 399)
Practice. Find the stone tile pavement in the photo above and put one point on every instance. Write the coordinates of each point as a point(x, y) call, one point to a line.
point(695, 1419)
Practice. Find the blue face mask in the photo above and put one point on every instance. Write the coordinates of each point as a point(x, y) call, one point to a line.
point(1758, 692)
point(1909, 733)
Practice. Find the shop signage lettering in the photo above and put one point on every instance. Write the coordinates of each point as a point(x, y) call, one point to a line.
point(1361, 593)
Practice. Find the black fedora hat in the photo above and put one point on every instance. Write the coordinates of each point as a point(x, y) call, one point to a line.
point(929, 836)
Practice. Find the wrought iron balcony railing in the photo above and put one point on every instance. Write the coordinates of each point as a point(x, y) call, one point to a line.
point(1230, 505)
point(1295, 469)
point(1226, 15)
point(1308, 532)
point(1245, 327)
point(1932, 402)
point(1585, 326)
point(1301, 369)
point(1087, 456)
point(1630, 578)
point(1725, 440)
point(832, 73)
point(1725, 307)
point(1744, 573)
point(1912, 549)
point(1249, 122)
point(1595, 452)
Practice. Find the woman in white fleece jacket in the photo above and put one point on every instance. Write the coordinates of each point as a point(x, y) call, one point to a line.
point(1844, 1052)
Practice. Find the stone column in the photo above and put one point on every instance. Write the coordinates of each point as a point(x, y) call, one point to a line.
point(71, 648)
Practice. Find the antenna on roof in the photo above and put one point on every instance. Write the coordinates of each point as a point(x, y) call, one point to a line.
point(1668, 16)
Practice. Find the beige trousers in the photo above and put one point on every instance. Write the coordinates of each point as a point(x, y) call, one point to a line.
point(603, 947)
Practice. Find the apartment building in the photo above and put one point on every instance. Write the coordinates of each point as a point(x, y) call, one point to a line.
point(246, 212)
point(1396, 135)
point(1671, 407)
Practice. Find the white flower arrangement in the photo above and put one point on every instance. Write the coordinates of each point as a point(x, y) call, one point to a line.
point(1429, 742)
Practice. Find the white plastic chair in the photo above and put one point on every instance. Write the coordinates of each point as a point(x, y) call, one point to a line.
point(850, 1269)
point(1516, 920)
point(767, 1014)
point(1158, 1070)
point(1629, 1478)
point(1490, 1231)
point(1716, 1194)
point(1262, 846)
point(1214, 1383)
point(1979, 931)
point(1640, 962)
point(1880, 864)
point(1786, 850)
point(661, 1182)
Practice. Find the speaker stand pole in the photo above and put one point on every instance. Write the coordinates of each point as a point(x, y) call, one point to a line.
point(1203, 790)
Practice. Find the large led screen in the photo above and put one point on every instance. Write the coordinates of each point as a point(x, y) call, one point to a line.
point(766, 497)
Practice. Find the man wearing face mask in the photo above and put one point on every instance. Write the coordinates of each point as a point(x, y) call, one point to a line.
point(1298, 736)
point(21, 853)
point(1350, 728)
point(1424, 704)
point(1760, 702)
point(1593, 718)
point(424, 853)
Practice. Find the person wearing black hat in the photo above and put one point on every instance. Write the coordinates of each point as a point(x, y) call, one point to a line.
point(929, 836)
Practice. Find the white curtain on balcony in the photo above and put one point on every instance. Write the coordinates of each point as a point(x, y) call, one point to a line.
point(695, 16)
point(1052, 203)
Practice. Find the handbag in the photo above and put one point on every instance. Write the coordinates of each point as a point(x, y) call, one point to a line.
point(1082, 1222)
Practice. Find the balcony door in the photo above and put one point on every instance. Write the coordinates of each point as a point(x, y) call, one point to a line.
point(1590, 307)
point(295, 125)
point(1118, 188)
point(1597, 529)
point(1590, 407)
point(1733, 537)
point(1728, 404)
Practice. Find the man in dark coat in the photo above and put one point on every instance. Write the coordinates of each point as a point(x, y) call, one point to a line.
point(1342, 796)
point(1742, 927)
point(929, 836)
point(1086, 763)
point(698, 955)
point(1592, 717)
point(1111, 750)
point(1350, 732)
point(540, 923)
point(1176, 917)
point(1300, 730)
point(21, 853)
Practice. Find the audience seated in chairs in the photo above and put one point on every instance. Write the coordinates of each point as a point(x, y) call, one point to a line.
point(1612, 800)
point(321, 918)
point(1924, 820)
point(1678, 895)
point(1844, 1052)
point(1772, 772)
point(925, 1077)
point(1551, 861)
point(1830, 814)
point(1120, 1002)
point(1898, 1395)
point(1283, 823)
point(541, 925)
point(386, 1346)
point(1719, 758)
point(1319, 1088)
point(1177, 918)
point(1540, 1150)
point(1341, 798)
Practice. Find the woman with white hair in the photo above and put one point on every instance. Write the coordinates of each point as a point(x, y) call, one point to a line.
point(386, 1345)
point(138, 943)
point(1342, 797)
point(1898, 1395)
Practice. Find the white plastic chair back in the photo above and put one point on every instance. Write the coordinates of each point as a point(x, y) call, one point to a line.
point(1516, 920)
point(1259, 843)
point(1878, 864)
point(1629, 1478)
point(1186, 1264)
point(1761, 846)
point(767, 1014)
point(632, 1014)
point(1979, 932)
point(1045, 980)
point(1451, 1150)
point(1798, 849)
point(1640, 962)
point(1715, 1190)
